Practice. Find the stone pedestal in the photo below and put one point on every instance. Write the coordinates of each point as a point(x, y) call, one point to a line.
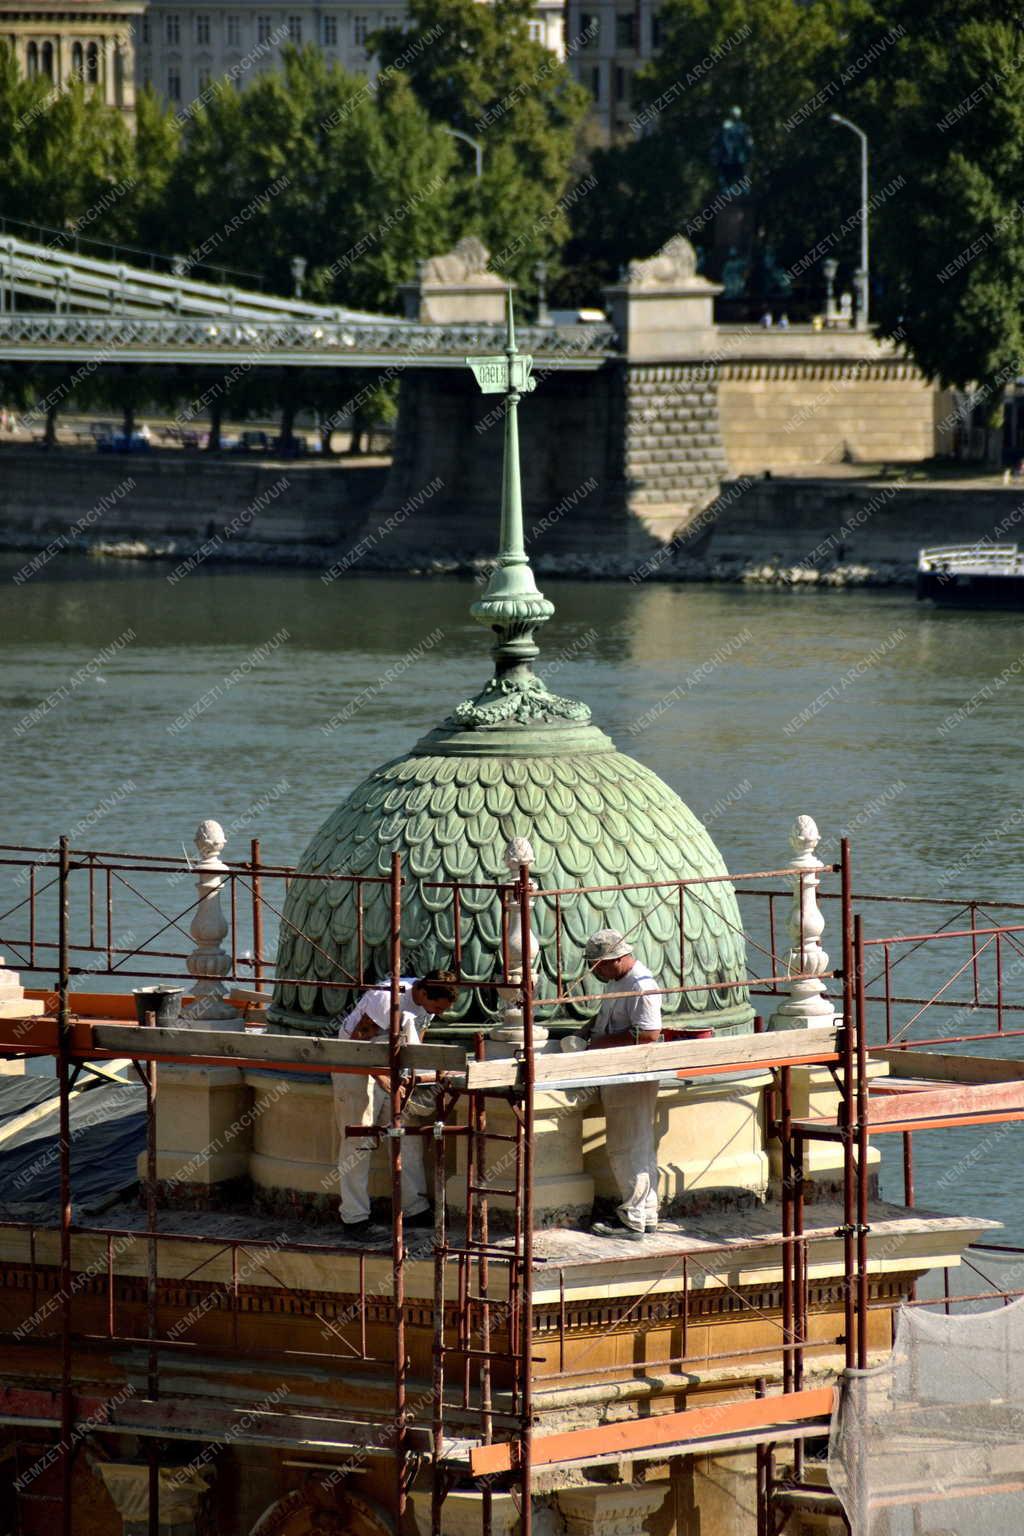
point(181, 1489)
point(816, 1097)
point(563, 1191)
point(711, 1148)
point(294, 1140)
point(662, 308)
point(203, 1132)
point(719, 1493)
point(612, 1509)
point(457, 288)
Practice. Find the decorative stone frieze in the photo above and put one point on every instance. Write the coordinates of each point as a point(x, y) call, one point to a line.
point(611, 1509)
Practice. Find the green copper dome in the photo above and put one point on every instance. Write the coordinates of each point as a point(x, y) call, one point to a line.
point(514, 761)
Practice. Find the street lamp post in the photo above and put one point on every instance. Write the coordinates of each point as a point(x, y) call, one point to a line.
point(474, 144)
point(862, 274)
point(540, 272)
point(298, 265)
point(830, 267)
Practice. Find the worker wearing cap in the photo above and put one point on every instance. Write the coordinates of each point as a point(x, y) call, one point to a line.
point(633, 1017)
point(364, 1099)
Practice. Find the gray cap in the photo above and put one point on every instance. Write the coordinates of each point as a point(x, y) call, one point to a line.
point(606, 944)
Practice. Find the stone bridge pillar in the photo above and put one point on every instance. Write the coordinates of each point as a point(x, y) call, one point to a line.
point(628, 450)
point(673, 459)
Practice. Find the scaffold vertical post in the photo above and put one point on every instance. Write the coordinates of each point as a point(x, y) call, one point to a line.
point(478, 1121)
point(257, 916)
point(788, 1247)
point(64, 1147)
point(525, 1197)
point(846, 1116)
point(438, 1490)
point(860, 1018)
point(397, 1232)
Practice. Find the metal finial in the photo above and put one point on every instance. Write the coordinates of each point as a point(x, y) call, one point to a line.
point(511, 603)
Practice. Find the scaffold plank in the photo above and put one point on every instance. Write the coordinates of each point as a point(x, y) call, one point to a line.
point(953, 1099)
point(948, 1068)
point(666, 1429)
point(689, 1057)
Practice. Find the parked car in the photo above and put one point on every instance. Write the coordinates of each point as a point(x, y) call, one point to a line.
point(294, 447)
point(252, 440)
point(117, 442)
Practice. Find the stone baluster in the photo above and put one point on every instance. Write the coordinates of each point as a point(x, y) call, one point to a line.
point(806, 961)
point(209, 962)
point(510, 1031)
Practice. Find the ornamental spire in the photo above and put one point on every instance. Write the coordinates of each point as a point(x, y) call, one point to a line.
point(512, 604)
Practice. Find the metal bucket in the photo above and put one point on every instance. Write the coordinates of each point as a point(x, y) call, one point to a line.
point(158, 1005)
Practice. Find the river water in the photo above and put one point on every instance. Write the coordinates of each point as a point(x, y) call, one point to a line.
point(135, 704)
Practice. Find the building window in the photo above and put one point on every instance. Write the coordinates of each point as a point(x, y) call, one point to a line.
point(392, 21)
point(172, 31)
point(77, 60)
point(145, 29)
point(32, 60)
point(625, 30)
point(536, 31)
point(330, 32)
point(623, 84)
point(595, 82)
point(590, 30)
point(655, 32)
point(234, 32)
point(46, 60)
point(174, 83)
point(92, 64)
point(295, 29)
point(263, 29)
point(360, 29)
point(203, 31)
point(203, 76)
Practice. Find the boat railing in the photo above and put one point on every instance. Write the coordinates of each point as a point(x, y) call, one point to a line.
point(969, 557)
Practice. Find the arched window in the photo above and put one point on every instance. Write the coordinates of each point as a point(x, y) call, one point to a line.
point(32, 59)
point(77, 60)
point(92, 66)
point(47, 60)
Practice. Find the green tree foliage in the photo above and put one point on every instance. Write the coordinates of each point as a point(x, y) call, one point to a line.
point(770, 57)
point(474, 67)
point(310, 161)
point(68, 159)
point(944, 109)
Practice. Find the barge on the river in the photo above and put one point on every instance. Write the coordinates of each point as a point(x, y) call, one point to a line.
point(972, 575)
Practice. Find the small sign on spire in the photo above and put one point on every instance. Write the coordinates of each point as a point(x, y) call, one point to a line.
point(508, 374)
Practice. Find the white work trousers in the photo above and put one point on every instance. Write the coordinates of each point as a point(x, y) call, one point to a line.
point(358, 1100)
point(630, 1111)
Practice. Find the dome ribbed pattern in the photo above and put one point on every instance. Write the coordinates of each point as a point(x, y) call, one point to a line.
point(593, 817)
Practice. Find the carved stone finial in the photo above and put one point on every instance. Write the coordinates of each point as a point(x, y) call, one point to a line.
point(519, 851)
point(806, 962)
point(209, 963)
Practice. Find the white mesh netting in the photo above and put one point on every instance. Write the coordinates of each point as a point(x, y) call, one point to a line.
point(933, 1440)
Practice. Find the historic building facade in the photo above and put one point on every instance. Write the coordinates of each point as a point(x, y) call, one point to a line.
point(184, 49)
point(61, 39)
point(608, 41)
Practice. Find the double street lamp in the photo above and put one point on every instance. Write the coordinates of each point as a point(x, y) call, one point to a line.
point(862, 274)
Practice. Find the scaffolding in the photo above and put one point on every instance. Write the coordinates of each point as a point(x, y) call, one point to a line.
point(479, 1418)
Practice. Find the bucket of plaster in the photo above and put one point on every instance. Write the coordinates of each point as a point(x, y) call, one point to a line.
point(688, 1033)
point(158, 1005)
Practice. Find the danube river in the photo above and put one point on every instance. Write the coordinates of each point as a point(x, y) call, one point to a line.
point(134, 705)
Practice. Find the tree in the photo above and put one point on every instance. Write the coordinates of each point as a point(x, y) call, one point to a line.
point(67, 157)
point(474, 67)
point(309, 162)
point(944, 109)
point(770, 57)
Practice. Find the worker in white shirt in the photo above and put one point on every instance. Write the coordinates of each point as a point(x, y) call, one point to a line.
point(364, 1099)
point(630, 1108)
